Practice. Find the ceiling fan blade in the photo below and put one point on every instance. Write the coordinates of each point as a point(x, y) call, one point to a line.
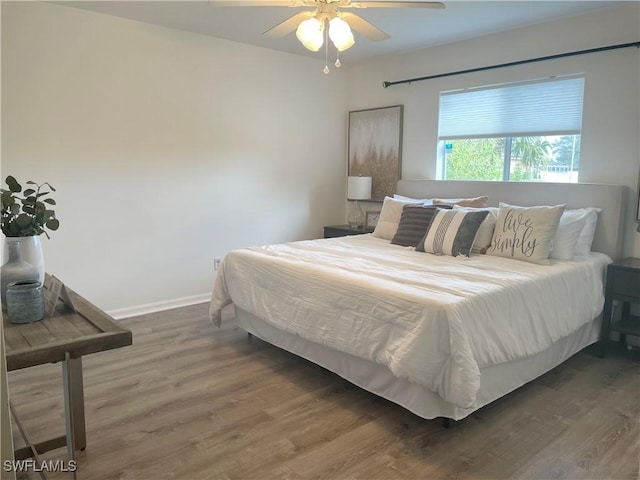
point(375, 4)
point(257, 3)
point(289, 25)
point(363, 27)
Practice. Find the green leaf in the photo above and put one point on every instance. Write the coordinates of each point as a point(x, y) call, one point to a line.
point(53, 224)
point(50, 201)
point(29, 191)
point(7, 198)
point(31, 182)
point(23, 220)
point(13, 184)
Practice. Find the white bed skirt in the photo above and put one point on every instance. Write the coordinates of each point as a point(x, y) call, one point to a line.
point(496, 380)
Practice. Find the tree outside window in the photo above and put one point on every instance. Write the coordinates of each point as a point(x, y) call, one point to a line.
point(516, 159)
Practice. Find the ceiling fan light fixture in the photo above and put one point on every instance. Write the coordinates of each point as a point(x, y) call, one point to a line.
point(310, 34)
point(340, 34)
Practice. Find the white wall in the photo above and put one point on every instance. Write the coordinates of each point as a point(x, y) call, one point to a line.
point(610, 150)
point(166, 148)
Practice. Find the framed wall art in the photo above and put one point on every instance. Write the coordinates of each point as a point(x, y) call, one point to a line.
point(375, 148)
point(371, 218)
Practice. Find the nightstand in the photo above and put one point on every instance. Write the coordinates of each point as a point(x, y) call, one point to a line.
point(623, 285)
point(333, 231)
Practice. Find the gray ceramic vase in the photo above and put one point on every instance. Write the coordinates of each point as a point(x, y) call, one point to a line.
point(16, 269)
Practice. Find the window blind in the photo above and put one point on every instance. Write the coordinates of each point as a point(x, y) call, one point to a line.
point(543, 107)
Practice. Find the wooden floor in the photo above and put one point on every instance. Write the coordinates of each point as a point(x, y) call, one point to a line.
point(190, 401)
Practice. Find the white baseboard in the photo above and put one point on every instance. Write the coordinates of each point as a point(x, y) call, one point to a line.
point(120, 313)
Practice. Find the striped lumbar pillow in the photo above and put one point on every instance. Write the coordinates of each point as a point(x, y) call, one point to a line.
point(452, 232)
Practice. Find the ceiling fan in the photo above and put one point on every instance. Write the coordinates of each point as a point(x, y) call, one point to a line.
point(310, 25)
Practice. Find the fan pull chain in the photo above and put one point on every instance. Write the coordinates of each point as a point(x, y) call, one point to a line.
point(326, 52)
point(338, 64)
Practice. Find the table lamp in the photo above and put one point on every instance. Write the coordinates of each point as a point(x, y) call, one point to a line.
point(358, 188)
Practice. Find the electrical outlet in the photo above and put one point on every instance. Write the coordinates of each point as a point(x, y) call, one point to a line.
point(216, 263)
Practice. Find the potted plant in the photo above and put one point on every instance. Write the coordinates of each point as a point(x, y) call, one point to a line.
point(26, 215)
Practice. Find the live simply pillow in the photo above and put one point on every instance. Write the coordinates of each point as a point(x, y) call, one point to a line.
point(525, 233)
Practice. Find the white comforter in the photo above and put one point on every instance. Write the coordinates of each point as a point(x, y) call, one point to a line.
point(435, 320)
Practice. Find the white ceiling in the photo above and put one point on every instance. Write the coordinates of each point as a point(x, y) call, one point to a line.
point(410, 29)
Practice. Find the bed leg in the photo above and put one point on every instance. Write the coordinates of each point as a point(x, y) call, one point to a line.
point(447, 422)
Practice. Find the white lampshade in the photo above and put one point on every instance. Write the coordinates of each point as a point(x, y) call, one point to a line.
point(340, 34)
point(359, 188)
point(310, 34)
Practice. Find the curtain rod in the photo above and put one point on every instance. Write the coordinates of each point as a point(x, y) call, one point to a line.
point(511, 64)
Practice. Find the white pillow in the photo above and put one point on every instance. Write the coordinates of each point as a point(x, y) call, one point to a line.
point(485, 232)
point(424, 201)
point(390, 217)
point(585, 239)
point(525, 233)
point(572, 222)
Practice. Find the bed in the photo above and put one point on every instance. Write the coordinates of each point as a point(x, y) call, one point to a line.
point(439, 335)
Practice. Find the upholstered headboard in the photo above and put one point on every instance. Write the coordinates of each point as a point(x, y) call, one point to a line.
point(608, 237)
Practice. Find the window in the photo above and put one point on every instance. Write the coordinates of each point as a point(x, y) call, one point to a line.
point(527, 131)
